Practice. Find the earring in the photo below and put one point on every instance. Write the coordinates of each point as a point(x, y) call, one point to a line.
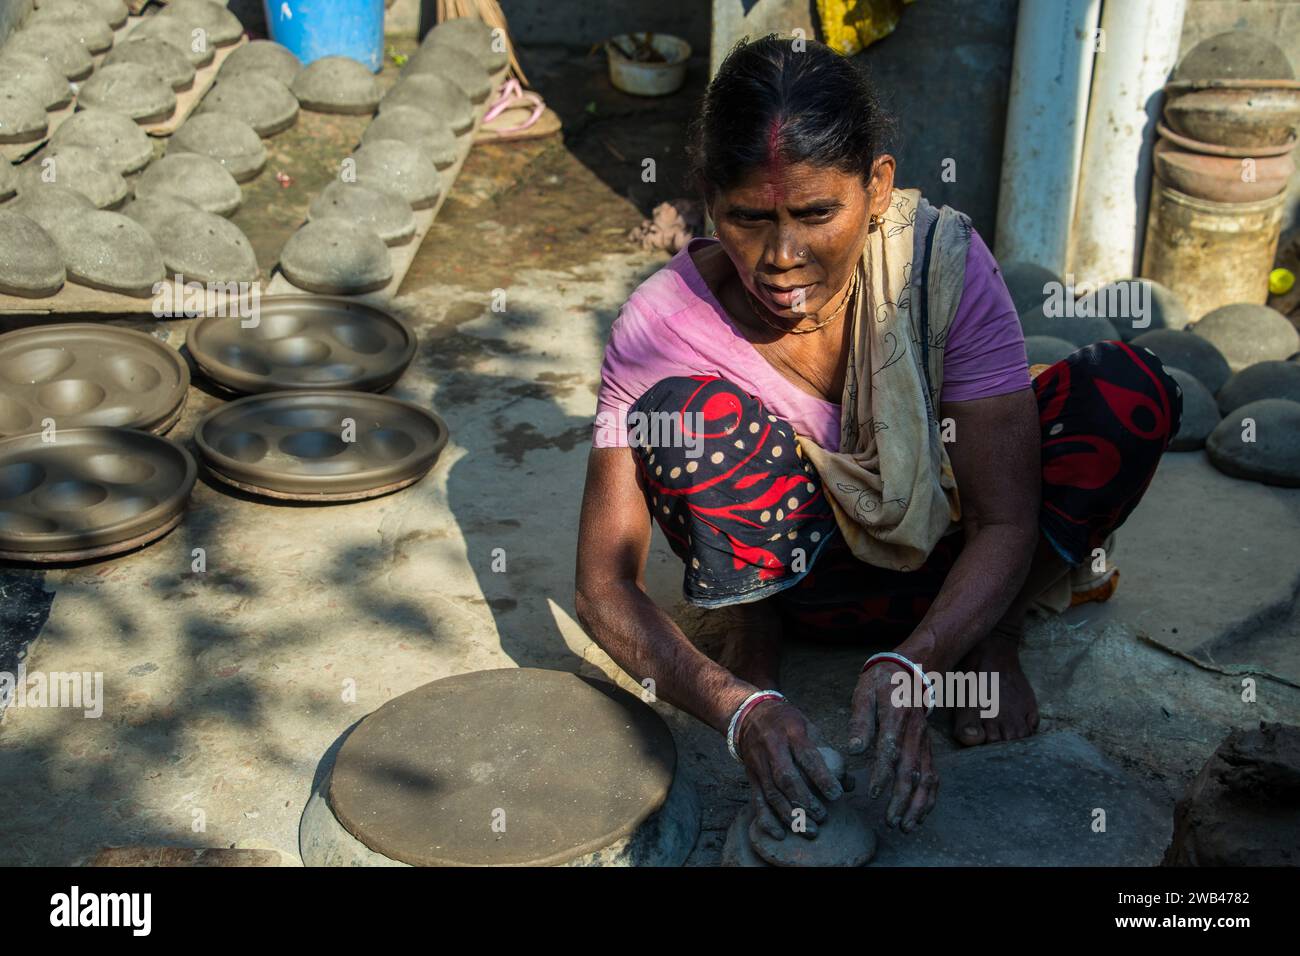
point(876, 221)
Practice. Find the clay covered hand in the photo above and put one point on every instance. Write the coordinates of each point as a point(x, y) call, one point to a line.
point(788, 776)
point(902, 764)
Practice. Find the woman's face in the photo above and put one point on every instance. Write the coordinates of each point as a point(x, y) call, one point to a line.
point(795, 232)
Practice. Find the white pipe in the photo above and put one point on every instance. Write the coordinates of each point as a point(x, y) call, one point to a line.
point(1045, 121)
point(1141, 39)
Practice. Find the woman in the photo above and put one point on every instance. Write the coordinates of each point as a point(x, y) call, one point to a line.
point(856, 447)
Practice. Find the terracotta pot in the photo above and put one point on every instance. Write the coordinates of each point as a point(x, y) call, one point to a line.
point(1220, 178)
point(1216, 149)
point(1263, 116)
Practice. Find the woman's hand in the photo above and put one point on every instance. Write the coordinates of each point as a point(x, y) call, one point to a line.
point(903, 763)
point(786, 773)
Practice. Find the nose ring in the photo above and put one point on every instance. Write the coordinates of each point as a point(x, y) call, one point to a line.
point(802, 254)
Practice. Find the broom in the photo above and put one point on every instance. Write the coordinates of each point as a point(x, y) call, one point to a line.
point(489, 11)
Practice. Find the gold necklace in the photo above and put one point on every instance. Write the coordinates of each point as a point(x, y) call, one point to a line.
point(763, 316)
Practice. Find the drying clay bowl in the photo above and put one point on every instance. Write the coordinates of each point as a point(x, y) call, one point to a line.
point(84, 375)
point(336, 257)
point(227, 139)
point(294, 445)
point(400, 169)
point(1220, 178)
point(1235, 117)
point(48, 42)
point(386, 215)
point(108, 251)
point(434, 94)
point(31, 264)
point(459, 66)
point(303, 342)
point(474, 37)
point(22, 117)
point(51, 206)
point(78, 168)
point(8, 180)
point(222, 26)
point(129, 88)
point(116, 138)
point(200, 179)
point(92, 32)
point(198, 48)
point(1215, 149)
point(337, 84)
point(112, 12)
point(261, 56)
point(90, 493)
point(429, 133)
point(31, 74)
point(169, 63)
point(202, 247)
point(257, 98)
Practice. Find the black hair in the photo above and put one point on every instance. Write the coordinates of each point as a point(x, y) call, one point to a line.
point(785, 100)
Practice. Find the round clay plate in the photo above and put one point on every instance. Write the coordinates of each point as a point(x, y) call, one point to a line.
point(510, 767)
point(303, 342)
point(89, 493)
point(86, 375)
point(320, 446)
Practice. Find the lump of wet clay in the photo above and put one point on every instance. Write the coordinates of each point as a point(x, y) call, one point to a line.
point(79, 168)
point(46, 41)
point(1246, 333)
point(475, 37)
point(200, 179)
point(457, 65)
point(108, 251)
point(392, 166)
point(434, 94)
point(89, 29)
point(1259, 441)
point(8, 180)
point(1047, 349)
point(131, 89)
point(31, 264)
point(35, 76)
point(386, 215)
point(157, 211)
point(22, 118)
point(844, 839)
point(1200, 413)
point(261, 56)
point(1189, 352)
point(337, 84)
point(336, 257)
point(1080, 329)
point(222, 26)
point(259, 99)
point(1262, 380)
point(115, 137)
point(225, 138)
point(191, 41)
point(202, 247)
point(52, 205)
point(429, 133)
point(171, 65)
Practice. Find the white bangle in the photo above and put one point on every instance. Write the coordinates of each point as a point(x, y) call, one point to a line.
point(733, 728)
point(896, 658)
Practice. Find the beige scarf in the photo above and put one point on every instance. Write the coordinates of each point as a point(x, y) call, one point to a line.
point(891, 483)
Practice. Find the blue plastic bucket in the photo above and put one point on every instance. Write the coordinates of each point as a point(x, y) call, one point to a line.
point(316, 28)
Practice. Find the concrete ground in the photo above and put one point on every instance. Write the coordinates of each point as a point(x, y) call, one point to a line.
point(224, 688)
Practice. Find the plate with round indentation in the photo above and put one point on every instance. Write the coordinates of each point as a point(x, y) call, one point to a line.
point(320, 446)
point(89, 492)
point(81, 375)
point(308, 342)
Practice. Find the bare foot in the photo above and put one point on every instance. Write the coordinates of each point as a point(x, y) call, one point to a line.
point(1017, 715)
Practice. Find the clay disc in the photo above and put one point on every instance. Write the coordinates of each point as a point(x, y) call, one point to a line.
point(31, 266)
point(391, 166)
point(303, 342)
point(48, 42)
point(222, 26)
point(198, 48)
point(261, 56)
point(434, 94)
point(227, 139)
point(203, 247)
point(386, 215)
point(257, 98)
point(473, 36)
point(22, 117)
point(106, 250)
point(200, 179)
point(31, 74)
point(312, 443)
point(568, 765)
point(88, 489)
point(336, 257)
point(843, 840)
point(337, 84)
point(171, 65)
point(51, 206)
point(129, 88)
point(78, 168)
point(429, 133)
point(462, 68)
point(115, 137)
point(84, 375)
